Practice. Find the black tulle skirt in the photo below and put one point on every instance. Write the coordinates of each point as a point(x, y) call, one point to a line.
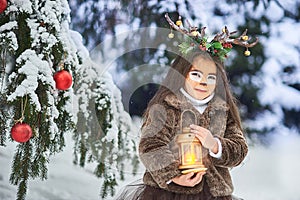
point(139, 191)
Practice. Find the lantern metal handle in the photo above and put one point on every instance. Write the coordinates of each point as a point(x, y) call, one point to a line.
point(181, 117)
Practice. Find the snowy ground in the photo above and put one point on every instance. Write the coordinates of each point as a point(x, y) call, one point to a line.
point(267, 174)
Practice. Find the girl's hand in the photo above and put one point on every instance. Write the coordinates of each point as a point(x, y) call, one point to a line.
point(189, 180)
point(205, 137)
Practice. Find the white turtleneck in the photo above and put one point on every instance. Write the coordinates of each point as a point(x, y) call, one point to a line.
point(200, 105)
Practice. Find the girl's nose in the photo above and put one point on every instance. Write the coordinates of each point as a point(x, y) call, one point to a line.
point(203, 81)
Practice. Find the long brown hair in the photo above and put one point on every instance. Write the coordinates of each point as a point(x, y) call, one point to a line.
point(175, 80)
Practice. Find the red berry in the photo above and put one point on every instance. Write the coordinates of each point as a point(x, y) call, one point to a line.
point(227, 45)
point(201, 47)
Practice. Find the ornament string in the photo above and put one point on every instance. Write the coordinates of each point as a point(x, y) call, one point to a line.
point(3, 55)
point(23, 107)
point(61, 65)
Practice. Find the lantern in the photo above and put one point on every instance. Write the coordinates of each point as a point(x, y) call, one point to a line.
point(190, 149)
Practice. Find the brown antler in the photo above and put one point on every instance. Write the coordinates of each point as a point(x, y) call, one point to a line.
point(173, 25)
point(178, 28)
point(224, 37)
point(242, 40)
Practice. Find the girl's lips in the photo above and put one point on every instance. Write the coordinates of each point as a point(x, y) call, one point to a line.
point(200, 90)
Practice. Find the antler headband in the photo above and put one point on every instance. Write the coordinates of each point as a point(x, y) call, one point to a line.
point(219, 46)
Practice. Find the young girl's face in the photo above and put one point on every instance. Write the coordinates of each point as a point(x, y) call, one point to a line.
point(201, 80)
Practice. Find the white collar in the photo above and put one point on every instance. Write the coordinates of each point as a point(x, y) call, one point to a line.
point(197, 102)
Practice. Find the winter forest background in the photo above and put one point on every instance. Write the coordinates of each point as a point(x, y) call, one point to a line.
point(85, 138)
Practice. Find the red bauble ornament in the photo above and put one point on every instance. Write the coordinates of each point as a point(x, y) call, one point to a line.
point(63, 80)
point(21, 132)
point(3, 5)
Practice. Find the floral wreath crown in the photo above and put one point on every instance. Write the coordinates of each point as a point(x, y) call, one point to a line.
point(219, 46)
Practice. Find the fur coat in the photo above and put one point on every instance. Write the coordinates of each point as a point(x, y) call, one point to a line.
point(159, 152)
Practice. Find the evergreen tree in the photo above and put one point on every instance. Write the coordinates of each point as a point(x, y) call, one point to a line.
point(36, 43)
point(105, 135)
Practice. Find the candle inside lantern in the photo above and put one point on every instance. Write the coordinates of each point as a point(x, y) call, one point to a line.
point(190, 158)
point(191, 155)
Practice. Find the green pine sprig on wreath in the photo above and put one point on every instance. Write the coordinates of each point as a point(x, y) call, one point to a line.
point(215, 48)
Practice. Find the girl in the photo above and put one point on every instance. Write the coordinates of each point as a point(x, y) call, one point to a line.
point(194, 82)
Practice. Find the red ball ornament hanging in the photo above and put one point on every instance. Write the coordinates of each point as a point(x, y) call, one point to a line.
point(63, 80)
point(3, 5)
point(21, 132)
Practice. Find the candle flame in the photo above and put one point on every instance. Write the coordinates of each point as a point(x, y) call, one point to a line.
point(190, 158)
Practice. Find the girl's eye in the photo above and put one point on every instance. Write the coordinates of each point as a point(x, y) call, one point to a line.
point(196, 74)
point(211, 77)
